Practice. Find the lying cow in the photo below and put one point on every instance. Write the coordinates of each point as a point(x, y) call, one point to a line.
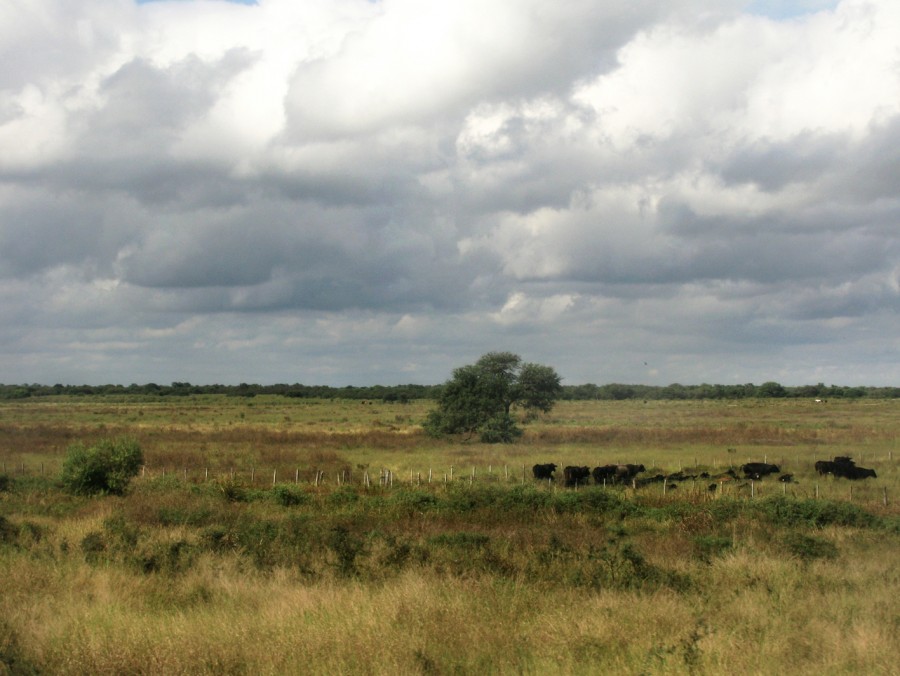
point(757, 470)
point(544, 471)
point(844, 466)
point(575, 476)
point(853, 472)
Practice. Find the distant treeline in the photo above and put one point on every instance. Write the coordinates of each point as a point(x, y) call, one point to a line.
point(405, 393)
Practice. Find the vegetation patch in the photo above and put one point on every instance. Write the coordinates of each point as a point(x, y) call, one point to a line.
point(106, 467)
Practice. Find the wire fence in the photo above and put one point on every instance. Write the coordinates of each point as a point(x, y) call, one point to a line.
point(690, 480)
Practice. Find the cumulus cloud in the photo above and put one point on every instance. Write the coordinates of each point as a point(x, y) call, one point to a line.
point(351, 191)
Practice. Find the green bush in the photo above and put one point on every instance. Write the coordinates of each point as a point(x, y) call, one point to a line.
point(808, 547)
point(288, 496)
point(106, 467)
point(790, 512)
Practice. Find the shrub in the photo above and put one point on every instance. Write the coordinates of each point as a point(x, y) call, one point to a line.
point(789, 512)
point(345, 547)
point(106, 467)
point(707, 547)
point(8, 531)
point(807, 547)
point(287, 496)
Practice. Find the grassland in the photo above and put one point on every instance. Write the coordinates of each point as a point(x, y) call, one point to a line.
point(207, 565)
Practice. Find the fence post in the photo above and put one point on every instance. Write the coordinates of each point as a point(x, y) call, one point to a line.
point(297, 476)
point(274, 472)
point(206, 474)
point(451, 474)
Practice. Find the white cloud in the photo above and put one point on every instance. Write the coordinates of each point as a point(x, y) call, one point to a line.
point(186, 185)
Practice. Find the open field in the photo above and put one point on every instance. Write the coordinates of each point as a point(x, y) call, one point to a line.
point(205, 566)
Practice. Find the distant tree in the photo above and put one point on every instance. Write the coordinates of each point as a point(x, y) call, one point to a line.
point(481, 397)
point(771, 389)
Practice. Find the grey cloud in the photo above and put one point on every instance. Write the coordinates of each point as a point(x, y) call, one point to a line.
point(773, 166)
point(414, 214)
point(40, 230)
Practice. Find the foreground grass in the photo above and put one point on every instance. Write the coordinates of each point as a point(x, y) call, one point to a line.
point(180, 578)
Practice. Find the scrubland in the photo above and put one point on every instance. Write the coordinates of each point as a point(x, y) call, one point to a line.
point(252, 542)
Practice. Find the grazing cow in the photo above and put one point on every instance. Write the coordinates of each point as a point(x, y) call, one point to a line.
point(786, 478)
point(575, 476)
point(544, 471)
point(604, 473)
point(757, 470)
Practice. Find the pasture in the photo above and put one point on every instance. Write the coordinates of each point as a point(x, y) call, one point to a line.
point(270, 535)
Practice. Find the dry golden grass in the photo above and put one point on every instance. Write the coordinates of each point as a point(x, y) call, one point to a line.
point(458, 588)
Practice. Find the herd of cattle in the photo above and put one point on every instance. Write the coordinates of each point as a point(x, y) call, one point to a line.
point(841, 466)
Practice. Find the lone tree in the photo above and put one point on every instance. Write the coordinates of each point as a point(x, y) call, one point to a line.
point(481, 396)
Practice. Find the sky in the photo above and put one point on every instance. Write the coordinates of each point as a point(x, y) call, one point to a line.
point(349, 192)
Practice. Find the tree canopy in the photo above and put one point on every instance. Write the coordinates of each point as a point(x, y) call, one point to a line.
point(481, 397)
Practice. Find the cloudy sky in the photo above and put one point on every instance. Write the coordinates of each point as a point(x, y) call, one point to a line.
point(357, 192)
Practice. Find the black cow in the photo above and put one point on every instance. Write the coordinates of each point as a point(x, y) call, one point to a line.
point(853, 472)
point(824, 467)
point(604, 473)
point(544, 471)
point(844, 466)
point(575, 476)
point(625, 473)
point(786, 478)
point(757, 470)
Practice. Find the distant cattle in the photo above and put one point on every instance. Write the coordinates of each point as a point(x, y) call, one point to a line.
point(844, 466)
point(854, 472)
point(824, 466)
point(544, 471)
point(625, 473)
point(757, 470)
point(786, 478)
point(604, 473)
point(575, 476)
point(646, 481)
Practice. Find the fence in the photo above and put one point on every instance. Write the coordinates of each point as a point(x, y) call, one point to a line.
point(863, 492)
